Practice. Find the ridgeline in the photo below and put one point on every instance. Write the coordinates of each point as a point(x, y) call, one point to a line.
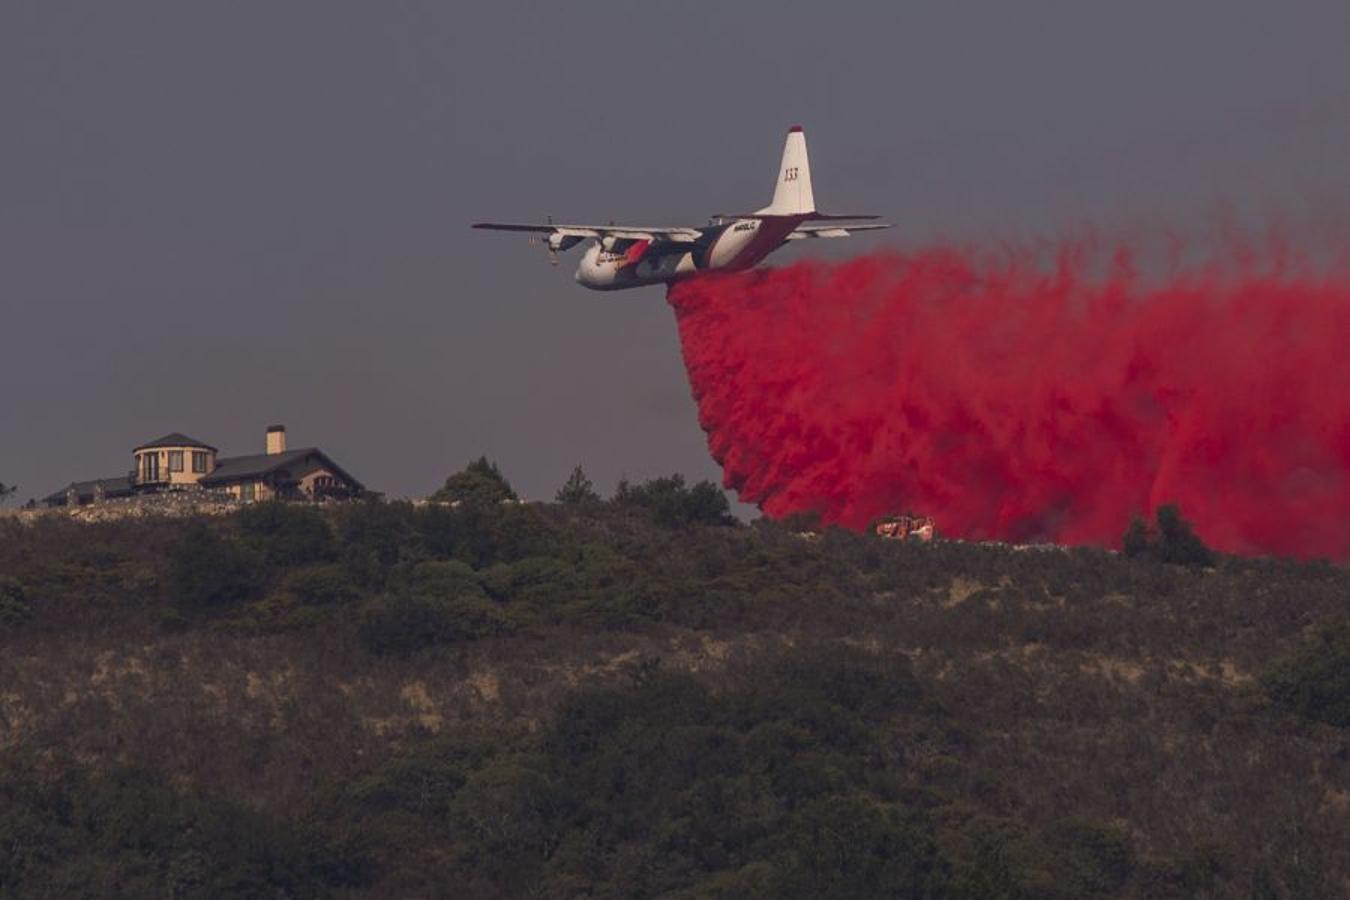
point(640, 697)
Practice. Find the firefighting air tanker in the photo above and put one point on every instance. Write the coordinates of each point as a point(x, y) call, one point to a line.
point(626, 256)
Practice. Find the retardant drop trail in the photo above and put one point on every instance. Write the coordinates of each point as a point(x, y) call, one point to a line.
point(1017, 403)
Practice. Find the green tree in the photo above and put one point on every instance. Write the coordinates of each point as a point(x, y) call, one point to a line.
point(578, 490)
point(674, 505)
point(482, 534)
point(1177, 542)
point(1139, 538)
point(479, 483)
point(1171, 540)
point(7, 489)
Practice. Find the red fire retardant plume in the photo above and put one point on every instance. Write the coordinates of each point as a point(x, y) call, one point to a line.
point(1029, 402)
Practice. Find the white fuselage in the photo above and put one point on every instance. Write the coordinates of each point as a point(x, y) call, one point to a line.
point(609, 265)
point(628, 256)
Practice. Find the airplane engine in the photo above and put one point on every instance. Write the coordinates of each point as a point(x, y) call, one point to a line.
point(560, 242)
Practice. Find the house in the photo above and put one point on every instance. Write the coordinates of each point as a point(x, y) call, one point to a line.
point(177, 462)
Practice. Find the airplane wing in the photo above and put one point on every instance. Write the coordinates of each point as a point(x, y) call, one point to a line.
point(832, 231)
point(623, 232)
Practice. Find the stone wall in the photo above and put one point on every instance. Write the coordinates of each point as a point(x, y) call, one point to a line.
point(173, 504)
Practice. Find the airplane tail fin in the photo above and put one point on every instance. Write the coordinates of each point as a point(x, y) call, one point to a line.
point(792, 194)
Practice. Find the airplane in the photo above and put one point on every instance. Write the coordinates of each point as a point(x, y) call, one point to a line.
point(629, 256)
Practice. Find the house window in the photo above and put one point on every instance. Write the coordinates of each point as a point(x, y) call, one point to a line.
point(151, 467)
point(246, 492)
point(175, 460)
point(199, 460)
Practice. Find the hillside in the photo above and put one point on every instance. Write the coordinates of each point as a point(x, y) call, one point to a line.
point(633, 698)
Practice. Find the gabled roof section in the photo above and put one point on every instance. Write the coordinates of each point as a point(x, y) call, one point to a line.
point(112, 487)
point(239, 468)
point(174, 439)
point(233, 468)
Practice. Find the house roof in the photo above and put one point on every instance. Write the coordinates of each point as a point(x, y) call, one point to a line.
point(239, 468)
point(227, 470)
point(112, 487)
point(174, 439)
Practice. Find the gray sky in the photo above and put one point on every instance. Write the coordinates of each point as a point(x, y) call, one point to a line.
point(217, 216)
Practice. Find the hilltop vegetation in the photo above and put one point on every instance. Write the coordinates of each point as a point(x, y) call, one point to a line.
point(639, 697)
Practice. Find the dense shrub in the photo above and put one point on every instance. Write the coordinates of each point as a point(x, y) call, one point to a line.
point(207, 570)
point(399, 624)
point(287, 534)
point(374, 535)
point(325, 584)
point(1074, 858)
point(851, 846)
point(851, 715)
point(14, 609)
point(127, 832)
point(507, 814)
point(731, 792)
point(833, 695)
point(445, 578)
point(535, 580)
point(1313, 681)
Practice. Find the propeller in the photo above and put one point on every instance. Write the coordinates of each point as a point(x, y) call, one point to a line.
point(549, 248)
point(550, 244)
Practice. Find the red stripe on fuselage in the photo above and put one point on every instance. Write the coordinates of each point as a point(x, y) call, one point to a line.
point(769, 236)
point(634, 253)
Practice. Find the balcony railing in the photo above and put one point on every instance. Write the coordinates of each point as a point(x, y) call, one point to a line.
point(139, 477)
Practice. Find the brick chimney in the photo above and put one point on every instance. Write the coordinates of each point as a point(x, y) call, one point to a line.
point(276, 439)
